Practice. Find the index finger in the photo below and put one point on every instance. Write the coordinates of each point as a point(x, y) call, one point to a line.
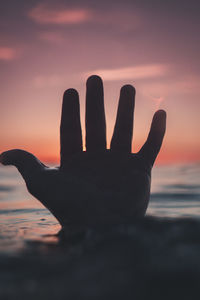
point(70, 126)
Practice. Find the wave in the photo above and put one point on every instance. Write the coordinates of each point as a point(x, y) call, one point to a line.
point(6, 188)
point(22, 211)
point(175, 196)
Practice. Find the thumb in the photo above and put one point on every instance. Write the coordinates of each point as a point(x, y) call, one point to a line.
point(25, 162)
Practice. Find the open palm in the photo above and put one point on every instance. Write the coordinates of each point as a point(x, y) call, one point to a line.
point(97, 185)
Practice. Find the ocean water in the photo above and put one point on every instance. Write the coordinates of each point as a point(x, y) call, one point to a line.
point(37, 263)
point(175, 192)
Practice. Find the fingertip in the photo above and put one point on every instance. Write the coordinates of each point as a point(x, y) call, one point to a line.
point(161, 113)
point(127, 97)
point(159, 120)
point(94, 79)
point(70, 101)
point(24, 161)
point(128, 89)
point(6, 157)
point(70, 92)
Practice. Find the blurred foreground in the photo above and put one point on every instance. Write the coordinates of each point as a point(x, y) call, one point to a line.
point(156, 258)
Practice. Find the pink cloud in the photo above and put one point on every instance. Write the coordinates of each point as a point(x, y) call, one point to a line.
point(134, 72)
point(45, 14)
point(49, 81)
point(57, 14)
point(176, 86)
point(7, 53)
point(51, 36)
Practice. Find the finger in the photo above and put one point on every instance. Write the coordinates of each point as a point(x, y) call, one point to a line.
point(95, 115)
point(153, 144)
point(70, 127)
point(123, 131)
point(25, 162)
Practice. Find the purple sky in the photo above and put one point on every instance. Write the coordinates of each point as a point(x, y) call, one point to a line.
point(49, 46)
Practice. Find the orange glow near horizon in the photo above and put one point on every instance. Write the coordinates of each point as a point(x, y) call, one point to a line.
point(168, 157)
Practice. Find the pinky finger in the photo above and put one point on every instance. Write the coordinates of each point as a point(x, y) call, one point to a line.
point(153, 143)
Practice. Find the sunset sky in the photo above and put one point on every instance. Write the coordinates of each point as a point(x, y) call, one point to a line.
point(49, 46)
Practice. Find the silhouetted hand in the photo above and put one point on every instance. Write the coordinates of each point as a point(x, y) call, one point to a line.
point(97, 185)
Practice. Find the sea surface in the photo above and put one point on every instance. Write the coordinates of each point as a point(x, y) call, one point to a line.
point(119, 262)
